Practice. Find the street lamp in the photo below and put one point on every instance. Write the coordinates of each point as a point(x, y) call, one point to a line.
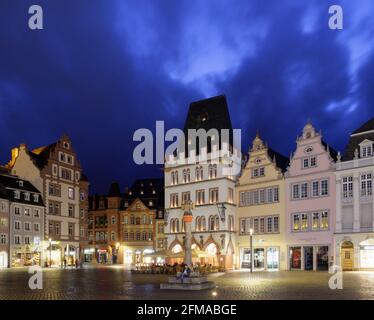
point(251, 246)
point(50, 252)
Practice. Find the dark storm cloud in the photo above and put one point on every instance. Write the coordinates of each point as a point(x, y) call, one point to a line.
point(102, 69)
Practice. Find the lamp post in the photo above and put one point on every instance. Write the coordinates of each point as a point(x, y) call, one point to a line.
point(251, 246)
point(50, 252)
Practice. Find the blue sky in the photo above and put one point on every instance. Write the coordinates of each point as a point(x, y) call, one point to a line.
point(101, 69)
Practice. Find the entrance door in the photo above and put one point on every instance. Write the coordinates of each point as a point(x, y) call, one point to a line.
point(295, 258)
point(308, 258)
point(323, 258)
point(272, 258)
point(259, 258)
point(246, 259)
point(346, 255)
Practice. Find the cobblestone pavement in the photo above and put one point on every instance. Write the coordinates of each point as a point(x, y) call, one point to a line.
point(113, 282)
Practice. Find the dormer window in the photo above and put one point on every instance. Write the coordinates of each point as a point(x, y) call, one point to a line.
point(366, 149)
point(36, 197)
point(27, 196)
point(17, 194)
point(66, 145)
point(20, 183)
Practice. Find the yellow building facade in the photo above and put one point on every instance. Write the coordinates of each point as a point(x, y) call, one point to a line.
point(261, 210)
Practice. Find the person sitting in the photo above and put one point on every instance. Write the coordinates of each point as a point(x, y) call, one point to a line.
point(186, 273)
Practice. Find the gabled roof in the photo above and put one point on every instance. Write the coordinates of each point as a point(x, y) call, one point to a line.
point(366, 132)
point(211, 113)
point(9, 183)
point(367, 126)
point(282, 162)
point(41, 155)
point(146, 190)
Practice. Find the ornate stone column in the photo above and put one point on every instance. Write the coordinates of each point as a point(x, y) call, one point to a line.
point(187, 220)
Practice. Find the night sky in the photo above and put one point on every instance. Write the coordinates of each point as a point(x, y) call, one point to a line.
point(101, 69)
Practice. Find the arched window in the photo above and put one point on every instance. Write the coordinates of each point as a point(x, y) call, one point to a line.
point(176, 177)
point(203, 224)
point(172, 226)
point(188, 175)
point(184, 176)
point(216, 223)
point(232, 223)
point(210, 171)
point(197, 173)
point(211, 223)
point(172, 177)
point(131, 236)
point(214, 171)
point(132, 219)
point(113, 220)
point(197, 223)
point(144, 236)
point(183, 226)
point(177, 225)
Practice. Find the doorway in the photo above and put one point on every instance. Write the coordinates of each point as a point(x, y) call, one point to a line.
point(347, 255)
point(272, 258)
point(308, 258)
point(259, 258)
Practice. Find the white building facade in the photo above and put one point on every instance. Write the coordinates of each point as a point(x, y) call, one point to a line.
point(354, 232)
point(205, 184)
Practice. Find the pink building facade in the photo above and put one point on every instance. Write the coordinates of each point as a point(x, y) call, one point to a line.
point(310, 203)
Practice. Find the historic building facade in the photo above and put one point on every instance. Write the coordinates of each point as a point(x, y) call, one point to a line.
point(121, 226)
point(192, 177)
point(142, 204)
point(24, 220)
point(104, 227)
point(310, 203)
point(83, 215)
point(261, 209)
point(55, 170)
point(4, 227)
point(354, 236)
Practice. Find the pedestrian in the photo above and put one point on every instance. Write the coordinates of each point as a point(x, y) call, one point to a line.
point(76, 263)
point(65, 262)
